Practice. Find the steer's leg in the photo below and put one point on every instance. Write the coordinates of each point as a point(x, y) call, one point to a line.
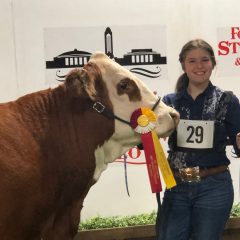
point(66, 222)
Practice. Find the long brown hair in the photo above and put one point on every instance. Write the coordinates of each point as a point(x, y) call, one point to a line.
point(183, 80)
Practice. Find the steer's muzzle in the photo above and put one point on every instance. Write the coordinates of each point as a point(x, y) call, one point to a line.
point(175, 116)
point(168, 120)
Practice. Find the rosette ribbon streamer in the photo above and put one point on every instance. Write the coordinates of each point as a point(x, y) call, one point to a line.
point(143, 121)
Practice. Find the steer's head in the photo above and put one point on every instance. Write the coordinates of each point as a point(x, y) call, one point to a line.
point(125, 93)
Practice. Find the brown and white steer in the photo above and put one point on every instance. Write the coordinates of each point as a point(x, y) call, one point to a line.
point(54, 146)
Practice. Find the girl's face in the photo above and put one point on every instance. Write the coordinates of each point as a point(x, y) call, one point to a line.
point(198, 66)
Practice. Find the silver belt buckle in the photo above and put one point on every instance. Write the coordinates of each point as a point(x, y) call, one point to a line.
point(190, 174)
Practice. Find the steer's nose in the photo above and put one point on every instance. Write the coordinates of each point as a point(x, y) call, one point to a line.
point(175, 116)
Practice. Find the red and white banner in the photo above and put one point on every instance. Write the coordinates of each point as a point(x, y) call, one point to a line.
point(228, 51)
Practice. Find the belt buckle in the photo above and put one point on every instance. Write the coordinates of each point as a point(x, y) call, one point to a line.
point(190, 174)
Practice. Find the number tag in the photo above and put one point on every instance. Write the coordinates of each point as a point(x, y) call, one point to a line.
point(195, 133)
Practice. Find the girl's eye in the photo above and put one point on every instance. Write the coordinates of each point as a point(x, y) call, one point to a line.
point(193, 61)
point(206, 60)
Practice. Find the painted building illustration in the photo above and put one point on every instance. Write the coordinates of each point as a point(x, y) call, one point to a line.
point(70, 59)
point(135, 57)
point(108, 39)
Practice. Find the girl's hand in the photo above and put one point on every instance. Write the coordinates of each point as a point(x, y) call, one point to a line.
point(238, 140)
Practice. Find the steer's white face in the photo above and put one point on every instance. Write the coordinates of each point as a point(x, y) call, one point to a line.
point(127, 93)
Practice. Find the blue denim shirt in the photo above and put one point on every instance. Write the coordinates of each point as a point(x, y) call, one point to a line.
point(226, 125)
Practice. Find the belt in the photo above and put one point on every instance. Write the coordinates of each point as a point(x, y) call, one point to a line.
point(195, 174)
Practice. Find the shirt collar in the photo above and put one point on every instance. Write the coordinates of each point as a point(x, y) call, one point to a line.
point(206, 92)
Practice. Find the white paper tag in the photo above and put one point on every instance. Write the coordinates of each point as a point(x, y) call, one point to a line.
point(195, 133)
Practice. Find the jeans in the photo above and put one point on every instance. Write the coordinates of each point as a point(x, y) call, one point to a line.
point(196, 210)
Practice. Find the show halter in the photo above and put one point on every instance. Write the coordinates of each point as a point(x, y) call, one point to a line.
point(100, 108)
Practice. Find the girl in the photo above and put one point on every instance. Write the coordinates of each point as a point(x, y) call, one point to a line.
point(199, 206)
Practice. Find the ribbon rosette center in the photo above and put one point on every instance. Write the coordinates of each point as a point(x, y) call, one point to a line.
point(143, 120)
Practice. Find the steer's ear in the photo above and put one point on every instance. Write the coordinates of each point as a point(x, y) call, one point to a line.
point(79, 84)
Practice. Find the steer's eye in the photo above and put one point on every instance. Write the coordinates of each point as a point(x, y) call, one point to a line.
point(123, 84)
point(129, 87)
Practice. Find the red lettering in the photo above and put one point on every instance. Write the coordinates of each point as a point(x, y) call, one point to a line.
point(235, 33)
point(237, 62)
point(223, 48)
point(234, 46)
point(136, 152)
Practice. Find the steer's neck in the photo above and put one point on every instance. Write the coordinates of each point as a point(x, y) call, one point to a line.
point(64, 124)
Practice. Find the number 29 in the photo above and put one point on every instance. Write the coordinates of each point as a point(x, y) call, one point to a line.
point(195, 134)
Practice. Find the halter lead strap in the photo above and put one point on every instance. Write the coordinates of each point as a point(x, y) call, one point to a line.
point(101, 109)
point(156, 103)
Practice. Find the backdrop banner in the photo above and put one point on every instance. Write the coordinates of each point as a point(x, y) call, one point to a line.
point(228, 51)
